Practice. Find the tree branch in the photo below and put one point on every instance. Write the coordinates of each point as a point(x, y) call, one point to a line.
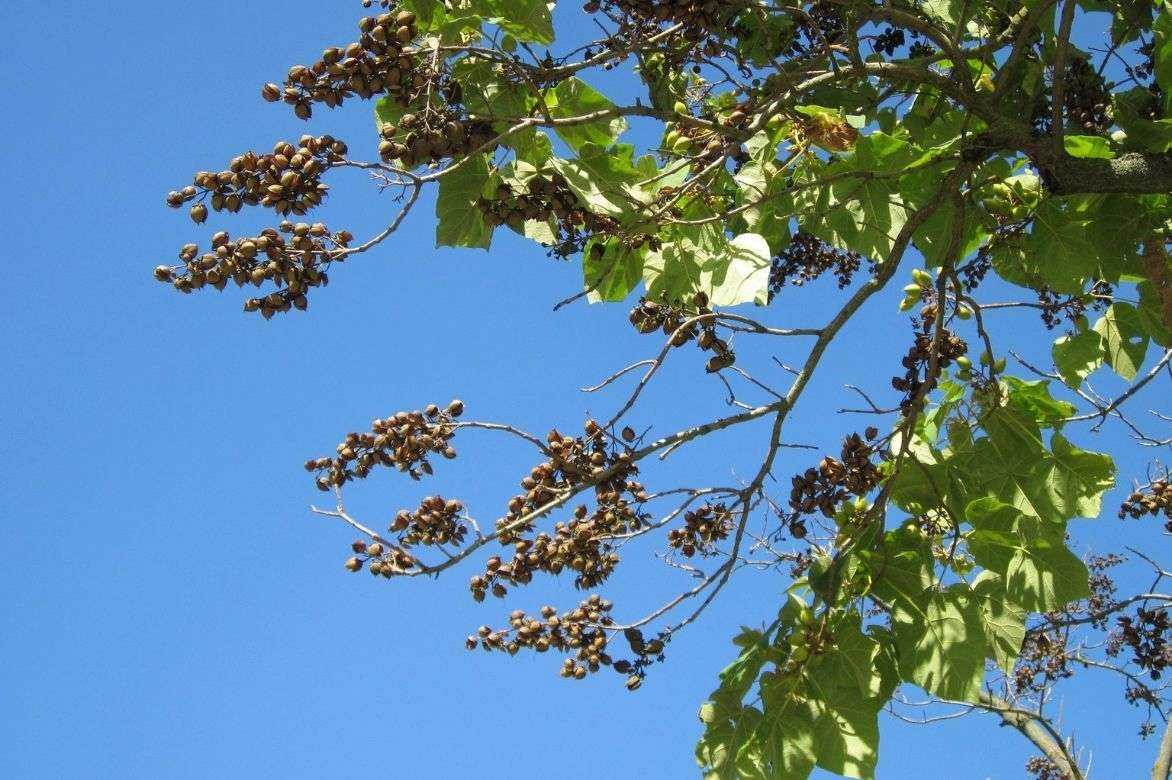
point(1036, 729)
point(1163, 766)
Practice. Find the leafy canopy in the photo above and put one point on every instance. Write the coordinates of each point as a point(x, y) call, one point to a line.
point(979, 140)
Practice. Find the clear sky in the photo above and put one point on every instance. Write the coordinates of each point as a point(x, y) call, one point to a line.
point(169, 606)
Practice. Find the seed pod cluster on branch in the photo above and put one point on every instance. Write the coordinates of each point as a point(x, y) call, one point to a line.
point(584, 545)
point(287, 180)
point(1053, 307)
point(374, 64)
point(584, 631)
point(1087, 100)
point(649, 316)
point(294, 262)
point(826, 486)
point(431, 135)
point(380, 559)
point(704, 22)
point(548, 197)
point(404, 440)
point(1043, 768)
point(918, 362)
point(436, 521)
point(888, 41)
point(808, 257)
point(821, 25)
point(703, 527)
point(1154, 500)
point(1146, 634)
point(1044, 658)
point(1102, 587)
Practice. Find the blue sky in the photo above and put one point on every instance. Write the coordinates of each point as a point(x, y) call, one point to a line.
point(171, 608)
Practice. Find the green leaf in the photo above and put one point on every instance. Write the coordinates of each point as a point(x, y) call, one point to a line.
point(825, 712)
point(947, 11)
point(741, 275)
point(1060, 249)
point(1143, 134)
point(457, 23)
point(1078, 356)
point(487, 93)
point(934, 237)
point(671, 273)
point(459, 221)
point(528, 20)
point(737, 741)
point(846, 689)
point(1162, 54)
point(1003, 620)
point(1030, 555)
point(1117, 225)
point(901, 572)
point(728, 272)
point(544, 232)
point(1033, 399)
point(1075, 480)
point(761, 186)
point(1125, 341)
point(1013, 465)
point(611, 269)
point(1089, 146)
point(604, 179)
point(944, 651)
point(1151, 314)
point(575, 98)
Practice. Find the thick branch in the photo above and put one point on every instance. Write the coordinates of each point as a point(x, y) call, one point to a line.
point(1133, 173)
point(1163, 766)
point(1035, 729)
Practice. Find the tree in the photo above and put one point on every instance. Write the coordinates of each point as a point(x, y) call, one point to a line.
point(951, 143)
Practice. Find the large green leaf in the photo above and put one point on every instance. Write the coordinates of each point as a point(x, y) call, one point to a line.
point(1004, 620)
point(611, 269)
point(943, 652)
point(762, 191)
point(459, 221)
point(1151, 314)
point(1058, 484)
point(527, 20)
point(1030, 555)
point(1033, 398)
point(606, 180)
point(869, 216)
point(824, 713)
point(575, 98)
point(1125, 341)
point(935, 236)
point(737, 741)
point(741, 273)
point(844, 690)
point(728, 272)
point(901, 572)
point(1078, 356)
point(1162, 54)
point(488, 94)
point(1060, 248)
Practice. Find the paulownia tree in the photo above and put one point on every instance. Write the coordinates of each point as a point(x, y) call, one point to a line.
point(941, 141)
